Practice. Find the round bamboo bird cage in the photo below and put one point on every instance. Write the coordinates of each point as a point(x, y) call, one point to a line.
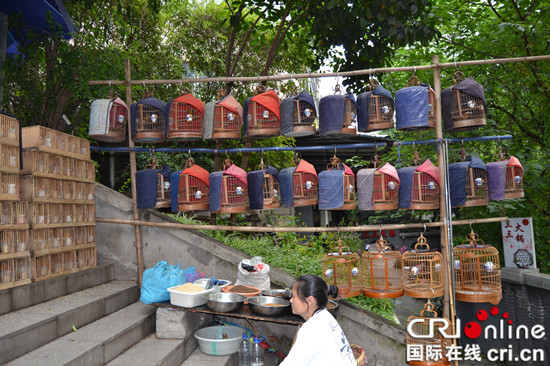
point(342, 269)
point(381, 272)
point(422, 271)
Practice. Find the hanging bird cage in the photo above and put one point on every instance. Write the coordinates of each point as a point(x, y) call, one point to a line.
point(378, 188)
point(477, 271)
point(427, 336)
point(414, 106)
point(336, 186)
point(298, 115)
point(305, 185)
point(337, 114)
point(463, 104)
point(193, 187)
point(419, 186)
point(381, 271)
point(505, 178)
point(423, 271)
point(375, 109)
point(223, 119)
point(153, 186)
point(262, 112)
point(148, 119)
point(263, 187)
point(108, 119)
point(342, 269)
point(468, 182)
point(186, 118)
point(228, 189)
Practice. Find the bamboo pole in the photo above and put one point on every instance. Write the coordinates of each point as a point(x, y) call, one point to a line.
point(321, 75)
point(131, 145)
point(299, 229)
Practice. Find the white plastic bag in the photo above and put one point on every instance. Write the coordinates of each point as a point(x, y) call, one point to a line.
point(259, 278)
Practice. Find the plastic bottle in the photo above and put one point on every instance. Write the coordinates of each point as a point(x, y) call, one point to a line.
point(257, 358)
point(245, 350)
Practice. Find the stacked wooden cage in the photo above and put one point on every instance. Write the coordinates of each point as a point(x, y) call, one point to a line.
point(15, 255)
point(57, 178)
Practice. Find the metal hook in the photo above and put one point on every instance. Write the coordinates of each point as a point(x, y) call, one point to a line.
point(471, 228)
point(110, 83)
point(424, 227)
point(414, 70)
point(380, 231)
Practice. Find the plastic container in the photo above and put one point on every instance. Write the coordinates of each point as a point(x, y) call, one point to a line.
point(187, 299)
point(245, 350)
point(217, 288)
point(212, 342)
point(257, 354)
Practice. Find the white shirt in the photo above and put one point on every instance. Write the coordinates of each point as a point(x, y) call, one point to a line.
point(320, 341)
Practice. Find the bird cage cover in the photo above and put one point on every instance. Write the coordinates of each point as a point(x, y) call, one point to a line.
point(363, 100)
point(496, 175)
point(331, 113)
point(286, 181)
point(228, 102)
point(269, 100)
point(331, 187)
point(287, 114)
point(146, 186)
point(100, 127)
point(468, 86)
point(155, 103)
point(457, 178)
point(174, 190)
point(365, 185)
point(191, 100)
point(256, 186)
point(406, 181)
point(194, 171)
point(412, 108)
point(215, 185)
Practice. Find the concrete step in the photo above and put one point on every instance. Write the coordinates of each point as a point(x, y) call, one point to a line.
point(27, 329)
point(97, 343)
point(198, 358)
point(37, 292)
point(152, 351)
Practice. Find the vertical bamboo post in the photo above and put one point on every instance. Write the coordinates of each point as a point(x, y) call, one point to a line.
point(442, 184)
point(137, 228)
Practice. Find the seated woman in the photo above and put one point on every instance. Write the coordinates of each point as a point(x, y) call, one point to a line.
point(320, 340)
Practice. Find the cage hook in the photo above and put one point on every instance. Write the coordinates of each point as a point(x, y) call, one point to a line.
point(380, 231)
point(471, 228)
point(414, 70)
point(424, 227)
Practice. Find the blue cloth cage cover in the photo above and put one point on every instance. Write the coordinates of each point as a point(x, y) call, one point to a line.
point(148, 120)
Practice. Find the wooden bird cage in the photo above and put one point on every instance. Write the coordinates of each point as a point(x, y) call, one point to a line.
point(349, 127)
point(468, 182)
point(463, 104)
point(425, 187)
point(298, 114)
point(477, 271)
point(228, 121)
point(423, 271)
point(234, 189)
point(163, 191)
point(505, 178)
point(305, 185)
point(108, 120)
point(428, 336)
point(381, 108)
point(381, 272)
point(193, 188)
point(385, 191)
point(149, 122)
point(271, 191)
point(263, 114)
point(343, 269)
point(186, 118)
point(329, 183)
point(264, 190)
point(514, 179)
point(414, 106)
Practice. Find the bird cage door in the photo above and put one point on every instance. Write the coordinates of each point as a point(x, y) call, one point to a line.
point(381, 272)
point(422, 271)
point(342, 269)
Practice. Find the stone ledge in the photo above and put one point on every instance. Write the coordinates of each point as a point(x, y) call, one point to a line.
point(517, 275)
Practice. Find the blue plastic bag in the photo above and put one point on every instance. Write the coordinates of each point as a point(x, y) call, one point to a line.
point(156, 281)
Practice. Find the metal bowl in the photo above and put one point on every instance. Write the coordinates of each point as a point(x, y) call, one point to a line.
point(260, 305)
point(224, 302)
point(284, 293)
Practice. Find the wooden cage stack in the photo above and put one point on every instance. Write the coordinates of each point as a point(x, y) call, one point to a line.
point(57, 178)
point(15, 255)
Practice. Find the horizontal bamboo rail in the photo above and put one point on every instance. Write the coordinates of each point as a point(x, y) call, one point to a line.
point(271, 229)
point(321, 75)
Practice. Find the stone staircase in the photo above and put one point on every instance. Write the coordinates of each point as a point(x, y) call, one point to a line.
point(89, 318)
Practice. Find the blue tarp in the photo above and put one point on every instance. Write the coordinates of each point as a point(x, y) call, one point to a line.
point(412, 108)
point(331, 189)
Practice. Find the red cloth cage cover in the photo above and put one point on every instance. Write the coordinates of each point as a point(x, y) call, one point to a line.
point(193, 188)
point(419, 187)
point(108, 120)
point(186, 118)
point(305, 185)
point(229, 190)
point(262, 115)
